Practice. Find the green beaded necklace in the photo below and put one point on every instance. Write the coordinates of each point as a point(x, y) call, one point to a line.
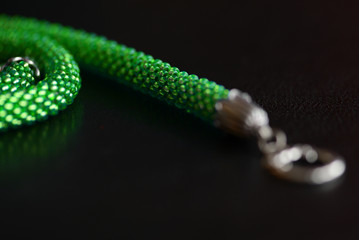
point(26, 98)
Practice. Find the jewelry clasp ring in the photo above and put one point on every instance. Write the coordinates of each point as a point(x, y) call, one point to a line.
point(321, 165)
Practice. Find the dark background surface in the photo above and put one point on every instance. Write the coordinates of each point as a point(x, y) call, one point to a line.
point(120, 165)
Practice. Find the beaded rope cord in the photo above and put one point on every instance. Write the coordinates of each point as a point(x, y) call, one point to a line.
point(26, 97)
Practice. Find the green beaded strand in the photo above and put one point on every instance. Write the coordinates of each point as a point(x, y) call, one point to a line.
point(34, 102)
point(16, 76)
point(54, 48)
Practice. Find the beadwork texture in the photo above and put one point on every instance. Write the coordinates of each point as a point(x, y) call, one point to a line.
point(55, 48)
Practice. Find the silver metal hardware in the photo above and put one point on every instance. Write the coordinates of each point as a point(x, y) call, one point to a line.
point(271, 140)
point(282, 164)
point(25, 59)
point(240, 116)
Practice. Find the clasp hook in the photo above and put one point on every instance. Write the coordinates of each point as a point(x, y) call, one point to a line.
point(31, 63)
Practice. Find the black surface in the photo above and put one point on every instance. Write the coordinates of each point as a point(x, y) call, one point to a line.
point(120, 165)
